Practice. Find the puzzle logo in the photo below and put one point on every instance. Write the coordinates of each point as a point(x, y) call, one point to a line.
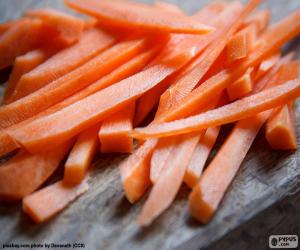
point(283, 241)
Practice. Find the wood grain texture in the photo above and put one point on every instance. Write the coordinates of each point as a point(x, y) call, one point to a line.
point(103, 219)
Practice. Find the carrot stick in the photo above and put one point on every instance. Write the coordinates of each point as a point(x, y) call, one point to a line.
point(22, 37)
point(8, 144)
point(241, 87)
point(280, 128)
point(237, 110)
point(200, 156)
point(266, 65)
point(179, 44)
point(168, 184)
point(47, 202)
point(113, 133)
point(207, 193)
point(81, 156)
point(25, 172)
point(7, 25)
point(260, 19)
point(73, 119)
point(271, 41)
point(92, 43)
point(69, 27)
point(136, 15)
point(70, 83)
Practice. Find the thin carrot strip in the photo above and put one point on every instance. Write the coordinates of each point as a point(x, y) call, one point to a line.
point(69, 27)
point(8, 144)
point(113, 133)
point(241, 87)
point(137, 15)
point(47, 202)
point(207, 193)
point(280, 128)
point(266, 65)
point(91, 43)
point(25, 172)
point(70, 83)
point(81, 156)
point(200, 156)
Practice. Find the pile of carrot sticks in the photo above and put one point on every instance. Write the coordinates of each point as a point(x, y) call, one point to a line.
point(147, 73)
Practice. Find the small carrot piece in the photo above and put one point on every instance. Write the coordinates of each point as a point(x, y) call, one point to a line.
point(266, 65)
point(69, 27)
point(241, 87)
point(91, 43)
point(200, 156)
point(25, 172)
point(127, 14)
point(70, 83)
point(280, 128)
point(160, 197)
point(81, 156)
point(113, 134)
point(47, 202)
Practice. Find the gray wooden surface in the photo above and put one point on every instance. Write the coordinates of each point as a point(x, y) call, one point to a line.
point(103, 219)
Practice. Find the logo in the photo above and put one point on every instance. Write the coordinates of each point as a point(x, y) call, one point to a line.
point(283, 241)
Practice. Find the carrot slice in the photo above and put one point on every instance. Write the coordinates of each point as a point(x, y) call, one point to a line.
point(92, 43)
point(113, 133)
point(73, 119)
point(241, 87)
point(207, 194)
point(47, 202)
point(266, 65)
point(21, 38)
point(137, 15)
point(168, 184)
point(70, 83)
point(25, 172)
point(69, 27)
point(280, 129)
point(8, 144)
point(200, 156)
point(81, 156)
point(179, 44)
point(271, 41)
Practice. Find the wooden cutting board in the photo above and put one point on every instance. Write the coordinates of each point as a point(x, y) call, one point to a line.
point(103, 219)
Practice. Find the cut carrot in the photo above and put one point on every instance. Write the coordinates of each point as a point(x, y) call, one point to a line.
point(69, 27)
point(22, 37)
point(168, 184)
point(266, 65)
point(168, 7)
point(137, 15)
point(81, 156)
point(92, 43)
point(280, 129)
point(47, 202)
point(200, 156)
point(91, 110)
point(8, 144)
point(25, 172)
point(70, 83)
point(237, 110)
point(260, 19)
point(113, 133)
point(241, 87)
point(7, 25)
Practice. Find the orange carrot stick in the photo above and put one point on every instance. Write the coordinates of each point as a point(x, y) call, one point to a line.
point(200, 155)
point(92, 43)
point(7, 25)
point(266, 65)
point(241, 87)
point(69, 27)
point(207, 194)
point(280, 128)
point(113, 134)
point(8, 144)
point(47, 202)
point(136, 15)
point(22, 37)
point(25, 172)
point(81, 156)
point(260, 19)
point(237, 110)
point(168, 184)
point(70, 83)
